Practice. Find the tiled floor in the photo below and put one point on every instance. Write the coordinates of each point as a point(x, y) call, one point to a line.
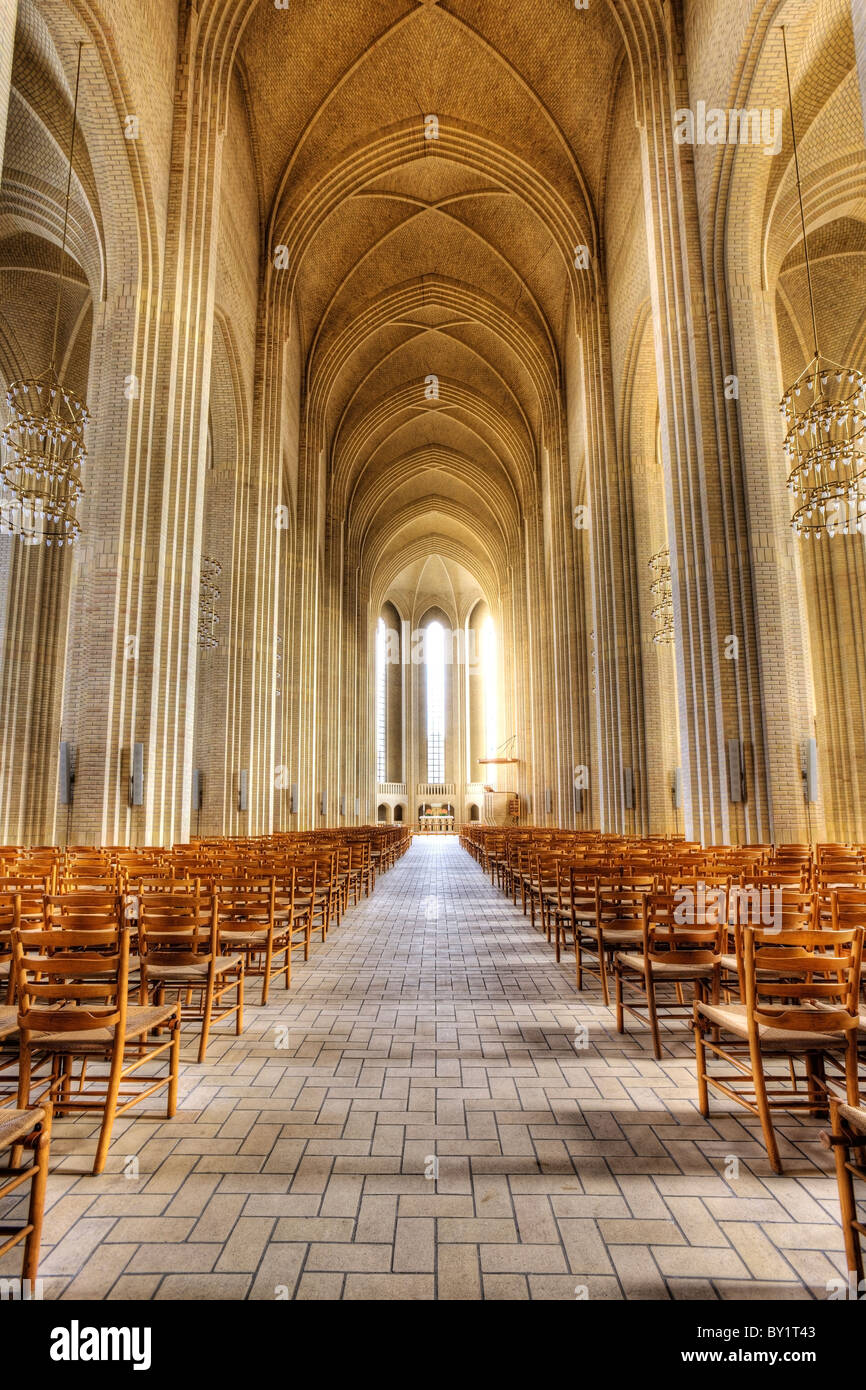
point(434, 1027)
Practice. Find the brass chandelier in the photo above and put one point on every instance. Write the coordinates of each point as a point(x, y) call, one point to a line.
point(825, 420)
point(40, 473)
point(208, 593)
point(662, 590)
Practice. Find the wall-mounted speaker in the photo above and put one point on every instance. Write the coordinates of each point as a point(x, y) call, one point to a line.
point(810, 770)
point(136, 776)
point(548, 801)
point(244, 790)
point(67, 773)
point(578, 800)
point(736, 771)
point(357, 805)
point(343, 804)
point(324, 803)
point(677, 788)
point(197, 789)
point(293, 801)
point(628, 788)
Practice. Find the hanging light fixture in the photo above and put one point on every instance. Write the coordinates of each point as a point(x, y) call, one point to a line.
point(825, 419)
point(208, 593)
point(662, 590)
point(40, 473)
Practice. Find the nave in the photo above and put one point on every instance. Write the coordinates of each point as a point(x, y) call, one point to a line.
point(435, 1022)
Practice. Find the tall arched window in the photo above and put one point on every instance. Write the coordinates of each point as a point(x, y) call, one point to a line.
point(435, 659)
point(381, 677)
point(488, 668)
point(490, 691)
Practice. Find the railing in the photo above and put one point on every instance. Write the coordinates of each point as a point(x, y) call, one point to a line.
point(392, 788)
point(426, 789)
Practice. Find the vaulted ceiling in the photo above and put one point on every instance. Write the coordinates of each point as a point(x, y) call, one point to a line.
point(424, 249)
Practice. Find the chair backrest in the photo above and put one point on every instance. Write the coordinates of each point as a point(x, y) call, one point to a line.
point(248, 905)
point(178, 928)
point(71, 981)
point(577, 889)
point(82, 911)
point(774, 906)
point(359, 855)
point(801, 980)
point(694, 936)
point(620, 907)
point(848, 908)
point(27, 883)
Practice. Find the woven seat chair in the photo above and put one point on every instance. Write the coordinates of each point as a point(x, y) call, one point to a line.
point(674, 953)
point(847, 1140)
point(72, 1006)
point(20, 1130)
point(256, 922)
point(180, 954)
point(800, 1002)
point(617, 925)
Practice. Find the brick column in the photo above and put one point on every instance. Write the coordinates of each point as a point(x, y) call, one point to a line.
point(132, 667)
point(8, 20)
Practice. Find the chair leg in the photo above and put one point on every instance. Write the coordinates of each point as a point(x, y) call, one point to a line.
point(239, 1016)
point(649, 987)
point(602, 969)
point(266, 981)
point(36, 1209)
point(111, 1094)
point(814, 1064)
point(848, 1213)
point(174, 1064)
point(852, 1079)
point(763, 1105)
point(207, 1011)
point(617, 974)
point(701, 1061)
point(24, 1069)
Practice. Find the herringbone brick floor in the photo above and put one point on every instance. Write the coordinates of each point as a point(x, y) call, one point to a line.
point(434, 1029)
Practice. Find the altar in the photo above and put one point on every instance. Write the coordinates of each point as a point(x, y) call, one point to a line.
point(436, 820)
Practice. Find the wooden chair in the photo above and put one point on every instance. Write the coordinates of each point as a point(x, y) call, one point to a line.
point(180, 952)
point(674, 952)
point(19, 1130)
point(847, 1140)
point(780, 907)
point(342, 870)
point(800, 990)
point(257, 925)
point(72, 1005)
point(360, 870)
point(618, 925)
point(576, 908)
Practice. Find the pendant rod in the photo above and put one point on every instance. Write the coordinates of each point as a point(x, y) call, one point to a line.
point(800, 193)
point(62, 266)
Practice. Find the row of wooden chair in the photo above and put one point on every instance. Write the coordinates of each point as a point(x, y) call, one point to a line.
point(761, 963)
point(99, 980)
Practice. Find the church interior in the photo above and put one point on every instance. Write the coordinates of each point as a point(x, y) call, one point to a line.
point(432, 650)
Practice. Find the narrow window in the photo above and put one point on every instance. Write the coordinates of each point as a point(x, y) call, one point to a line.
point(435, 657)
